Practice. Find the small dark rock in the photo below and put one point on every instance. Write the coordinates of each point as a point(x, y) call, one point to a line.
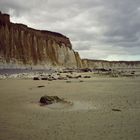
point(53, 78)
point(87, 77)
point(116, 109)
point(133, 72)
point(79, 76)
point(36, 78)
point(86, 70)
point(40, 86)
point(74, 77)
point(62, 78)
point(69, 76)
point(44, 78)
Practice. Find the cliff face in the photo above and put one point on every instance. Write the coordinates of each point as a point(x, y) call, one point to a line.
point(93, 64)
point(21, 46)
point(27, 47)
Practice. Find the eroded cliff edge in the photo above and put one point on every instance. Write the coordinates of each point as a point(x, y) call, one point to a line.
point(21, 46)
point(99, 64)
point(24, 47)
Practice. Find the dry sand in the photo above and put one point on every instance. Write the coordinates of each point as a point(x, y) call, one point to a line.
point(89, 117)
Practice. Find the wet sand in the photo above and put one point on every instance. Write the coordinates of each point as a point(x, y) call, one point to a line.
point(102, 109)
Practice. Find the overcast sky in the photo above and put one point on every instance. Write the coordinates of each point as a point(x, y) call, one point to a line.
point(98, 29)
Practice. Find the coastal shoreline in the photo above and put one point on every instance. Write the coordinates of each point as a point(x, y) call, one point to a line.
point(103, 108)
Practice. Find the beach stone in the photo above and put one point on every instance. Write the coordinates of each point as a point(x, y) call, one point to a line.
point(87, 77)
point(79, 76)
point(86, 70)
point(114, 109)
point(62, 78)
point(69, 76)
point(41, 86)
point(46, 100)
point(44, 78)
point(53, 78)
point(74, 77)
point(133, 72)
point(36, 78)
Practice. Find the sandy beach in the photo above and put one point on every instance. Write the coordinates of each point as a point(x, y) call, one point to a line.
point(102, 109)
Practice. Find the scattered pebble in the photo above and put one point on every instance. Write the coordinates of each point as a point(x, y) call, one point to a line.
point(40, 86)
point(114, 109)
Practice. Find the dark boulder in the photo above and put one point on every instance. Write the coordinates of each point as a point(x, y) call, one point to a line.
point(69, 76)
point(44, 78)
point(86, 70)
point(133, 72)
point(78, 76)
point(114, 109)
point(87, 77)
point(36, 78)
point(40, 86)
point(46, 100)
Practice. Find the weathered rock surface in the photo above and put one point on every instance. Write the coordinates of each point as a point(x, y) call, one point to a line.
point(46, 100)
point(27, 47)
